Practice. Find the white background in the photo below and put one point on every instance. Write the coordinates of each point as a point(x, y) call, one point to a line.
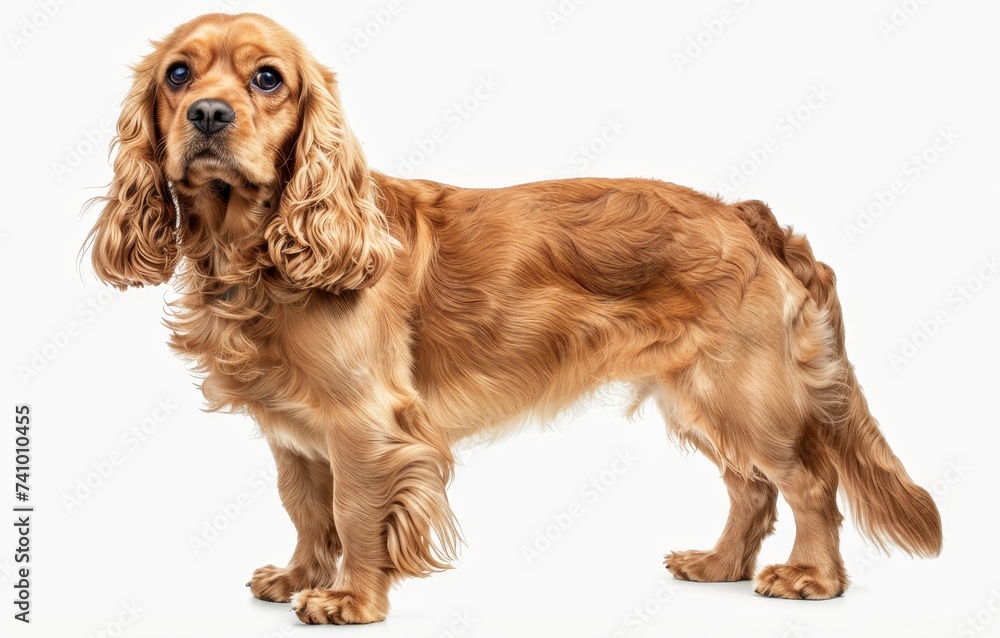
point(888, 97)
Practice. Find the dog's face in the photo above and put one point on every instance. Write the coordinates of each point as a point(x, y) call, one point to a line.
point(227, 101)
point(249, 129)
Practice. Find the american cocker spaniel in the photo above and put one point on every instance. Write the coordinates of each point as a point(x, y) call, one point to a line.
point(369, 323)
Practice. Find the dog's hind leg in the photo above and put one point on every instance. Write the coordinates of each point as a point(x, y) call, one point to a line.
point(752, 500)
point(752, 514)
point(765, 447)
point(761, 393)
point(807, 478)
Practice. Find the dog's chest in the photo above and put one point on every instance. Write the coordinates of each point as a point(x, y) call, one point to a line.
point(233, 350)
point(282, 360)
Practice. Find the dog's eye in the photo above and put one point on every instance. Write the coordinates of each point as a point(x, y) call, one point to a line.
point(178, 74)
point(267, 80)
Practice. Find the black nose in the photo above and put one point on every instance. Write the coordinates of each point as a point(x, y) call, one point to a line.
point(211, 116)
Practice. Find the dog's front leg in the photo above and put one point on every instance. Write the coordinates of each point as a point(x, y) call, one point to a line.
point(390, 507)
point(306, 489)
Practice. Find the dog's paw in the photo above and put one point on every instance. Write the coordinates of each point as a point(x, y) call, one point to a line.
point(706, 566)
point(326, 606)
point(277, 584)
point(799, 582)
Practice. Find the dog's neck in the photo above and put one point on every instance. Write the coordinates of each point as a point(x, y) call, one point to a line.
point(220, 228)
point(230, 297)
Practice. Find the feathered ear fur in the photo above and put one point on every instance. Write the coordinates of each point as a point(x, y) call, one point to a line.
point(328, 232)
point(132, 243)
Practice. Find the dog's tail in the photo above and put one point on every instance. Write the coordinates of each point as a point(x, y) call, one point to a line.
point(888, 507)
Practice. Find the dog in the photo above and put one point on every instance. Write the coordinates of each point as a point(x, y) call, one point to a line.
point(368, 324)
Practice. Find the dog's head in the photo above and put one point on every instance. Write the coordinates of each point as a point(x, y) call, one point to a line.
point(233, 108)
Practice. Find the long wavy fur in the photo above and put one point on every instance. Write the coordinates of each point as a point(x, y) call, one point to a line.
point(132, 243)
point(369, 324)
point(328, 233)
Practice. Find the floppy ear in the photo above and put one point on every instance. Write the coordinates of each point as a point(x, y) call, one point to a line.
point(132, 243)
point(328, 232)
